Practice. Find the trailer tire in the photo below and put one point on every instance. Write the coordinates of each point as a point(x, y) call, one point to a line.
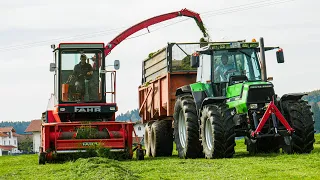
point(186, 127)
point(161, 138)
point(217, 132)
point(299, 115)
point(147, 139)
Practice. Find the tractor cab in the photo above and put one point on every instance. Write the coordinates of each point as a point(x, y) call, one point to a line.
point(224, 64)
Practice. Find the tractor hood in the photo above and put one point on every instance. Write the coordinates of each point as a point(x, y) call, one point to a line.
point(242, 94)
point(238, 89)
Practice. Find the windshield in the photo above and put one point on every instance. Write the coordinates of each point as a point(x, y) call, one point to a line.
point(80, 75)
point(236, 62)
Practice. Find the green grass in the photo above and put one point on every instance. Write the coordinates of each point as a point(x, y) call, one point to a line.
point(242, 166)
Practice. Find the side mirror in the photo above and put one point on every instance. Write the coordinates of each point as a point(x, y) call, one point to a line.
point(280, 57)
point(52, 67)
point(116, 64)
point(194, 60)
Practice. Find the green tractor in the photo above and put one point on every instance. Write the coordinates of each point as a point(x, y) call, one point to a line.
point(234, 98)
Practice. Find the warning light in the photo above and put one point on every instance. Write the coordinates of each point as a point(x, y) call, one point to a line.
point(254, 40)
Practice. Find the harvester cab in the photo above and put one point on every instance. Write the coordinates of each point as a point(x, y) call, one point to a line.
point(81, 112)
point(234, 98)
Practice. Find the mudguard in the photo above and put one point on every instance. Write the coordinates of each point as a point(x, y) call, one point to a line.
point(212, 100)
point(292, 96)
point(183, 89)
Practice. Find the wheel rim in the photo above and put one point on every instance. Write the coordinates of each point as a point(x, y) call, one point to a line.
point(182, 129)
point(208, 134)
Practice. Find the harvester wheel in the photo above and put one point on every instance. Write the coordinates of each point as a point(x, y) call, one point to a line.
point(217, 131)
point(186, 127)
point(147, 139)
point(161, 138)
point(298, 114)
point(42, 158)
point(140, 154)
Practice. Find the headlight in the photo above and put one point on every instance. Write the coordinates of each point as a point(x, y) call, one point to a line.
point(253, 106)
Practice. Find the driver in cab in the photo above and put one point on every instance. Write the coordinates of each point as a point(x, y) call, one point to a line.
point(82, 71)
point(224, 69)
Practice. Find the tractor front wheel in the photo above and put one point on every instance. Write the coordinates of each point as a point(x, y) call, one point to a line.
point(298, 114)
point(217, 132)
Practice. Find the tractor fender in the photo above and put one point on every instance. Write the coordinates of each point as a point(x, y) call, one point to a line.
point(292, 96)
point(212, 100)
point(183, 90)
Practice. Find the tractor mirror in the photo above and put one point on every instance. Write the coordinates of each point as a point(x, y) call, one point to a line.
point(52, 67)
point(194, 61)
point(280, 57)
point(116, 64)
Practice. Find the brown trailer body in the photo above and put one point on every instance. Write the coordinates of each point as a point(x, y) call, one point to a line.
point(162, 73)
point(156, 100)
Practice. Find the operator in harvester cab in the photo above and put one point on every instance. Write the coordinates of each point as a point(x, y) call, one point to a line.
point(222, 71)
point(82, 71)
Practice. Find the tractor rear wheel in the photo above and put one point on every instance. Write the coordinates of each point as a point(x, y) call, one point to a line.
point(186, 127)
point(217, 131)
point(161, 138)
point(299, 116)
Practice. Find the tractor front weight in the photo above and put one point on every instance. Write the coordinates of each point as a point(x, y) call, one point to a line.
point(275, 113)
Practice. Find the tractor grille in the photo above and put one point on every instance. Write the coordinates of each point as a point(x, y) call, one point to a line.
point(260, 95)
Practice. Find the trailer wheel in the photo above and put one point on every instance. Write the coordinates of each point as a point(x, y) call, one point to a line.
point(217, 131)
point(147, 139)
point(186, 127)
point(298, 114)
point(161, 138)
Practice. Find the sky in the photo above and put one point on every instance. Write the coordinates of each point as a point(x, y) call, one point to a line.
point(28, 28)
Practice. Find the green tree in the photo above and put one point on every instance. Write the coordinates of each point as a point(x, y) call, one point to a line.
point(25, 144)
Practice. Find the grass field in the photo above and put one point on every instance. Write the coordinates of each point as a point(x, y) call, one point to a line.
point(242, 166)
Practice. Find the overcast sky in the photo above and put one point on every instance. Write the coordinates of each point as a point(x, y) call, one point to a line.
point(26, 83)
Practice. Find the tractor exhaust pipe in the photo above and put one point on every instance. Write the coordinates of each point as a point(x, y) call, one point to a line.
point(263, 61)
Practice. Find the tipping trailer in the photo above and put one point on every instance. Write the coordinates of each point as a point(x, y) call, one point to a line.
point(79, 117)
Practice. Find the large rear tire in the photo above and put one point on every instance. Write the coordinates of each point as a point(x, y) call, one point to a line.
point(217, 131)
point(186, 127)
point(298, 114)
point(161, 138)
